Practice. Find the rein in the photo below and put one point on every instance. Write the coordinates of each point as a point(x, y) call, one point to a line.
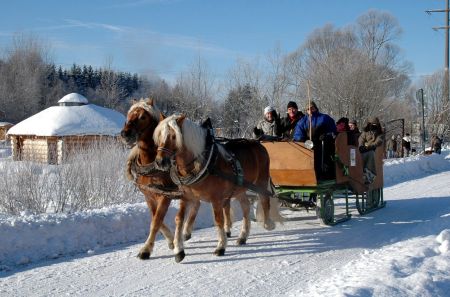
point(150, 170)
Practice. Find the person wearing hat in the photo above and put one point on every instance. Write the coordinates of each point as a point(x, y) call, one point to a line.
point(268, 128)
point(323, 130)
point(371, 138)
point(287, 124)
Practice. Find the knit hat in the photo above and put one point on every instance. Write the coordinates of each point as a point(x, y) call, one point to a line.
point(373, 120)
point(292, 104)
point(353, 122)
point(268, 109)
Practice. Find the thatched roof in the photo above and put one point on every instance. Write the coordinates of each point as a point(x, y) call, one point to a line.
point(82, 119)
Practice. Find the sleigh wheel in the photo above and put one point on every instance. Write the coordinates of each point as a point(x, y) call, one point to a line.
point(369, 201)
point(325, 209)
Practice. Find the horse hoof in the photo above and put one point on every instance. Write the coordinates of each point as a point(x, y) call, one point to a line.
point(269, 225)
point(144, 255)
point(241, 241)
point(180, 256)
point(171, 246)
point(187, 237)
point(219, 252)
point(229, 234)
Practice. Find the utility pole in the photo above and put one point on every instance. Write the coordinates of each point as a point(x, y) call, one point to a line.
point(419, 95)
point(446, 28)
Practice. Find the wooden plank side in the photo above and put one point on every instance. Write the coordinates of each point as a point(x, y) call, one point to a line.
point(379, 179)
point(350, 157)
point(291, 164)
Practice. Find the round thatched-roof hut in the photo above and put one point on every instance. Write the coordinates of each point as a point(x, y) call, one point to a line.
point(4, 127)
point(52, 134)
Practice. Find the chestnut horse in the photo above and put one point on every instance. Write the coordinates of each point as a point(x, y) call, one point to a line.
point(213, 172)
point(156, 185)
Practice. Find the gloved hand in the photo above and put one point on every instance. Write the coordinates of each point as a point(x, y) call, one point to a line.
point(362, 149)
point(257, 132)
point(371, 147)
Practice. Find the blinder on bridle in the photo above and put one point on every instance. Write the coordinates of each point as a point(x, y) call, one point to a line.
point(165, 150)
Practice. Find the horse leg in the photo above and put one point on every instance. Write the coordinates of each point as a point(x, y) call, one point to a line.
point(218, 220)
point(227, 217)
point(178, 240)
point(189, 224)
point(165, 231)
point(159, 210)
point(245, 229)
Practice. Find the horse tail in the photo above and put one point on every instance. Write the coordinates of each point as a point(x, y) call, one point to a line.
point(274, 211)
point(275, 214)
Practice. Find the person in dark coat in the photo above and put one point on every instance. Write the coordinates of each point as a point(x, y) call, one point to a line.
point(436, 144)
point(288, 123)
point(342, 125)
point(353, 136)
point(406, 144)
point(371, 138)
point(323, 130)
point(353, 124)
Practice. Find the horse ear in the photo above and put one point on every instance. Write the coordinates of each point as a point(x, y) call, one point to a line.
point(180, 120)
point(133, 101)
point(161, 116)
point(150, 101)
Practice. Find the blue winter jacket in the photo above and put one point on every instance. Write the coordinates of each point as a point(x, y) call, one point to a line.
point(322, 124)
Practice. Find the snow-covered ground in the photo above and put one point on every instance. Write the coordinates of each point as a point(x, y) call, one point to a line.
point(400, 250)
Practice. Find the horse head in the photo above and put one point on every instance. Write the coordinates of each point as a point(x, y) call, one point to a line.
point(142, 119)
point(177, 134)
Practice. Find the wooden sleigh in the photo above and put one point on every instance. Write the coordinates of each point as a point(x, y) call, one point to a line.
point(295, 181)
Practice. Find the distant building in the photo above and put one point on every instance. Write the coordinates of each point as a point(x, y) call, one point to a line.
point(52, 134)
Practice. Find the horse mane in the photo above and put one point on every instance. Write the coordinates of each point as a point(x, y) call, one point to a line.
point(151, 109)
point(130, 160)
point(191, 135)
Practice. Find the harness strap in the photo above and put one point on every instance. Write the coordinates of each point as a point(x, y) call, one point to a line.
point(150, 170)
point(208, 169)
point(193, 178)
point(173, 192)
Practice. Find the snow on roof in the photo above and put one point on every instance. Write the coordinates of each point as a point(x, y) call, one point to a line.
point(87, 119)
point(5, 124)
point(73, 98)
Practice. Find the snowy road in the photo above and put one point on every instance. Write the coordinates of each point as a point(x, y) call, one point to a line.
point(392, 252)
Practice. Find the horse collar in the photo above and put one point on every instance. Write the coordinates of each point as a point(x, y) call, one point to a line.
point(211, 152)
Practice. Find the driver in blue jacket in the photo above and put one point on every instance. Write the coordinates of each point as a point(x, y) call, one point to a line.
point(323, 130)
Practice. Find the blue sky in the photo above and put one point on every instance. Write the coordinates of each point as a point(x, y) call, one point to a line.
point(164, 37)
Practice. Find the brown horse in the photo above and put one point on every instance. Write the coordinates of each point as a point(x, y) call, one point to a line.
point(213, 172)
point(156, 185)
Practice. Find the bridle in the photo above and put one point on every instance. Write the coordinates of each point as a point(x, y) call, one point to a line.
point(167, 151)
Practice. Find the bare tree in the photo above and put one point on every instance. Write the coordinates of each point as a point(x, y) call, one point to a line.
point(193, 91)
point(355, 71)
point(277, 80)
point(22, 77)
point(436, 107)
point(245, 89)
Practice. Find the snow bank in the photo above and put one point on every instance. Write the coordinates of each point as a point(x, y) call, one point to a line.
point(402, 169)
